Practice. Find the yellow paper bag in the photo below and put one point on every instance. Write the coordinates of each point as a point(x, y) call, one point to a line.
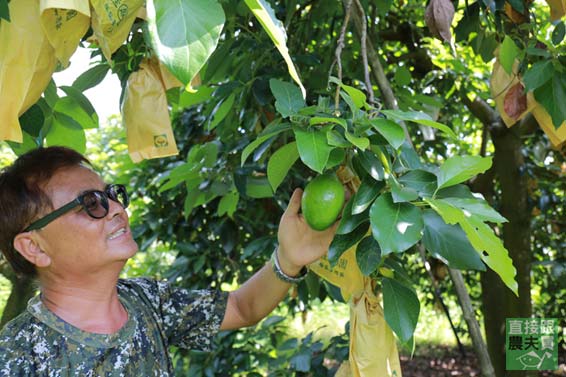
point(64, 22)
point(557, 9)
point(27, 62)
point(169, 81)
point(346, 274)
point(373, 351)
point(146, 116)
point(500, 84)
point(112, 21)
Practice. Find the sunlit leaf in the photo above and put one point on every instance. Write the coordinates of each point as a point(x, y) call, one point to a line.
point(280, 163)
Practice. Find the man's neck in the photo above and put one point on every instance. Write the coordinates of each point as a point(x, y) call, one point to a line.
point(91, 305)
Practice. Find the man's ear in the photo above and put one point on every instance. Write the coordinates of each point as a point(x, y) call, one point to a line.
point(26, 244)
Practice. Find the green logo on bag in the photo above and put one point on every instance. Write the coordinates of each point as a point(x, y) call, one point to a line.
point(531, 344)
point(160, 141)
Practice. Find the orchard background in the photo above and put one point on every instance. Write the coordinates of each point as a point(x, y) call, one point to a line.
point(401, 93)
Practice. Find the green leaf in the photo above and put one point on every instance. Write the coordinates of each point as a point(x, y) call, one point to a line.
point(457, 191)
point(184, 33)
point(32, 120)
point(270, 131)
point(313, 148)
point(202, 94)
point(50, 94)
point(258, 187)
point(336, 157)
point(360, 142)
point(508, 52)
point(459, 169)
point(276, 31)
point(349, 222)
point(396, 226)
point(343, 242)
point(420, 118)
point(517, 5)
point(187, 172)
point(391, 131)
point(366, 194)
point(358, 97)
point(400, 193)
point(204, 154)
point(221, 110)
point(288, 98)
point(66, 132)
point(4, 10)
point(371, 164)
point(301, 362)
point(477, 207)
point(78, 107)
point(421, 181)
point(449, 243)
point(558, 33)
point(193, 197)
point(481, 236)
point(91, 77)
point(228, 204)
point(368, 255)
point(401, 308)
point(402, 76)
point(334, 138)
point(325, 120)
point(551, 96)
point(280, 163)
point(538, 75)
point(28, 143)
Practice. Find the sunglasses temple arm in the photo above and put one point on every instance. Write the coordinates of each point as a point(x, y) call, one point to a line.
point(52, 216)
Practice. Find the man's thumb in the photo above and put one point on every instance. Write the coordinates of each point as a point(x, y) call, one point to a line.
point(295, 202)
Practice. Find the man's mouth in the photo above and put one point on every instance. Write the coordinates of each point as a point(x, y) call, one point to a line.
point(117, 233)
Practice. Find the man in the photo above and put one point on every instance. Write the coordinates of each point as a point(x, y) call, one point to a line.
point(60, 223)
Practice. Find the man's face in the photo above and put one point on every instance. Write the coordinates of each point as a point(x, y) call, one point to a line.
point(78, 244)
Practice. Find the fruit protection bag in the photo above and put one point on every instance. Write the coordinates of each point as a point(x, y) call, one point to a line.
point(508, 94)
point(345, 274)
point(112, 21)
point(64, 22)
point(146, 116)
point(373, 351)
point(27, 62)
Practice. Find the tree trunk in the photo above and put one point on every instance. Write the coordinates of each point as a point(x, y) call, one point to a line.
point(22, 290)
point(498, 301)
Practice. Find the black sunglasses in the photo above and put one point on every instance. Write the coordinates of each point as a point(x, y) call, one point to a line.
point(94, 202)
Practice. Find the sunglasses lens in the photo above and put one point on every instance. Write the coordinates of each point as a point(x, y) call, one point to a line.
point(119, 194)
point(95, 204)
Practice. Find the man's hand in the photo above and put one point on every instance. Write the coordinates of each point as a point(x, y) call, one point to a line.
point(299, 244)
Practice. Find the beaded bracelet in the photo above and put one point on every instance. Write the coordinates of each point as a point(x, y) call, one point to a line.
point(282, 275)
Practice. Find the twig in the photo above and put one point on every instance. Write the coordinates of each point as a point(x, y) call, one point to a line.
point(363, 38)
point(338, 53)
point(473, 325)
point(379, 73)
point(438, 296)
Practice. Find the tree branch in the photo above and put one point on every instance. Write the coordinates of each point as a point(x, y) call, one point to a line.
point(339, 47)
point(378, 72)
point(473, 326)
point(369, 87)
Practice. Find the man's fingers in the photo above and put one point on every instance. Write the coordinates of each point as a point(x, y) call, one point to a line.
point(295, 202)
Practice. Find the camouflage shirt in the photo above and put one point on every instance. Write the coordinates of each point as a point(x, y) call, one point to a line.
point(38, 343)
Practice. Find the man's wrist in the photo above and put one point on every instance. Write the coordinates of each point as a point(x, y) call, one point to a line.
point(285, 271)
